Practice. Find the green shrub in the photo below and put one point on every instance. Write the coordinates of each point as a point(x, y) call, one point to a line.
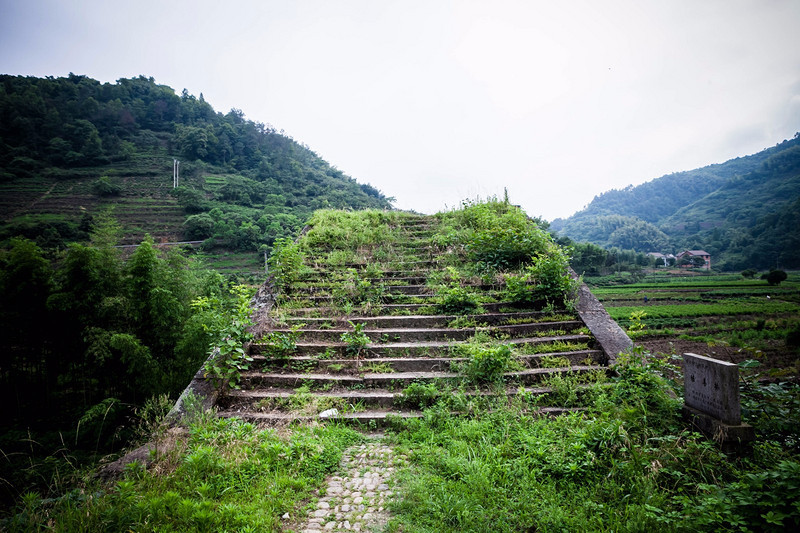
point(420, 396)
point(455, 300)
point(545, 280)
point(774, 277)
point(103, 186)
point(279, 344)
point(229, 333)
point(286, 262)
point(488, 364)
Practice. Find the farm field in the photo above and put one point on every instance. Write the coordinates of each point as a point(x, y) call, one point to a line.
point(724, 316)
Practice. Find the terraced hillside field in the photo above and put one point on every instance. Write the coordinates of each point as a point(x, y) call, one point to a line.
point(380, 314)
point(724, 316)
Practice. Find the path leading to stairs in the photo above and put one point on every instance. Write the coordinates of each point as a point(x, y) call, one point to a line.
point(356, 499)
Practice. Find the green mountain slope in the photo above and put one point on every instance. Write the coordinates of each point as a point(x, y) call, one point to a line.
point(73, 147)
point(741, 211)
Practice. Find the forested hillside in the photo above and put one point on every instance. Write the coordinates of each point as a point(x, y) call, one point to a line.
point(94, 341)
point(73, 147)
point(743, 212)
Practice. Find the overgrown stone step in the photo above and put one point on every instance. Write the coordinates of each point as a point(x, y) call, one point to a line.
point(328, 282)
point(370, 418)
point(393, 309)
point(410, 349)
point(251, 380)
point(419, 321)
point(407, 364)
point(403, 253)
point(392, 264)
point(396, 297)
point(434, 334)
point(266, 399)
point(325, 290)
point(390, 274)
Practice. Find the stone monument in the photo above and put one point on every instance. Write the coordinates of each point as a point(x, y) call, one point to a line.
point(711, 397)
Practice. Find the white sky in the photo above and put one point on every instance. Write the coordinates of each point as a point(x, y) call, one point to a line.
point(436, 101)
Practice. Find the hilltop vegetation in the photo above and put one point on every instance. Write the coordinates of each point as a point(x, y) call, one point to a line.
point(73, 147)
point(743, 212)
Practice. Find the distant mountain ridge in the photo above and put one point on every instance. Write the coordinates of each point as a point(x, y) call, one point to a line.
point(744, 212)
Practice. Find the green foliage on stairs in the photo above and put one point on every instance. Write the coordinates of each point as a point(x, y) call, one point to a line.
point(229, 334)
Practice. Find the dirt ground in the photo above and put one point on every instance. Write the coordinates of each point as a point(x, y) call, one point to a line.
point(774, 363)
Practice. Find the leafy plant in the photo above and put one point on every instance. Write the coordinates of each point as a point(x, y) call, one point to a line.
point(487, 364)
point(457, 300)
point(354, 290)
point(377, 368)
point(281, 344)
point(356, 341)
point(230, 333)
point(286, 262)
point(420, 395)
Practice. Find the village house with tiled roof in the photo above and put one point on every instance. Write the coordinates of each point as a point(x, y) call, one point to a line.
point(696, 253)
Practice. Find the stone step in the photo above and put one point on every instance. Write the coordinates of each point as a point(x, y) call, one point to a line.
point(393, 297)
point(405, 266)
point(254, 379)
point(404, 364)
point(394, 253)
point(389, 290)
point(317, 274)
point(418, 321)
point(271, 399)
point(432, 334)
point(410, 349)
point(371, 418)
point(366, 418)
point(395, 309)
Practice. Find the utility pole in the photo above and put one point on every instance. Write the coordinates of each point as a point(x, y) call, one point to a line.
point(176, 171)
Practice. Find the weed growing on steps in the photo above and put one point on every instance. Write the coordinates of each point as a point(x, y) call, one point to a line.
point(550, 347)
point(302, 402)
point(356, 341)
point(286, 264)
point(229, 332)
point(485, 361)
point(420, 395)
point(377, 368)
point(545, 279)
point(280, 344)
point(457, 300)
point(353, 290)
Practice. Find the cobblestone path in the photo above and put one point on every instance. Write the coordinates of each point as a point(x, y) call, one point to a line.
point(356, 500)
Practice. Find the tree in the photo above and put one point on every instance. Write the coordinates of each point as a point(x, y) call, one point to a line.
point(774, 277)
point(749, 273)
point(103, 186)
point(198, 227)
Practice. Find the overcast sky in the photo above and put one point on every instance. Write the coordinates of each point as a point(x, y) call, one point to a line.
point(435, 101)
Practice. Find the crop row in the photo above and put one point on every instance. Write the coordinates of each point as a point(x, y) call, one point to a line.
point(710, 309)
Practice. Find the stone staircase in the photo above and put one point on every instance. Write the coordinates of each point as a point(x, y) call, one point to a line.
point(332, 355)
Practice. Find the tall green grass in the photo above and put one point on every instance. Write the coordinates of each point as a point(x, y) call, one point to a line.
point(224, 475)
point(627, 463)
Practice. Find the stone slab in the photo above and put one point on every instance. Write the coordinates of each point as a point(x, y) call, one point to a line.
point(712, 387)
point(731, 438)
point(612, 339)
